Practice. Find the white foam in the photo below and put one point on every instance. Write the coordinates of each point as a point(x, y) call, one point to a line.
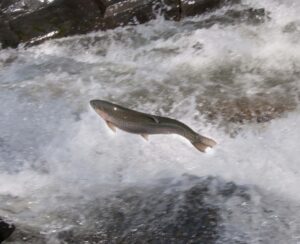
point(157, 69)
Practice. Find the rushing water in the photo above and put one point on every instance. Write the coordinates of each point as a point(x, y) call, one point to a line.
point(56, 154)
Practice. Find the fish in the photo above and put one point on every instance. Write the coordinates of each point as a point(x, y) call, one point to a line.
point(132, 121)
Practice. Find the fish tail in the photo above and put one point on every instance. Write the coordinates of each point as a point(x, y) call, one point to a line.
point(202, 143)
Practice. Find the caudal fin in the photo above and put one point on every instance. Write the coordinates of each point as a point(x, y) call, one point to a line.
point(202, 143)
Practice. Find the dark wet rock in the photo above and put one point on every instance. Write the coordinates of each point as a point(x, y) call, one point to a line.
point(59, 19)
point(292, 27)
point(188, 209)
point(249, 16)
point(8, 38)
point(184, 211)
point(33, 21)
point(171, 211)
point(28, 235)
point(6, 230)
point(259, 109)
point(139, 11)
point(104, 4)
point(14, 8)
point(196, 7)
point(7, 4)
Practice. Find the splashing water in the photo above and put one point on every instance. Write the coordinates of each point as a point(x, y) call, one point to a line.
point(56, 153)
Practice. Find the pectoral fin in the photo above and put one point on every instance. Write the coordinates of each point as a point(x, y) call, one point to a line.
point(111, 126)
point(145, 136)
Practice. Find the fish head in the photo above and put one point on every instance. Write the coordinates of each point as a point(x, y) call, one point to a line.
point(103, 108)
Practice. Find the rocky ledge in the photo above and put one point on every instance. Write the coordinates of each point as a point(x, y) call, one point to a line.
point(33, 21)
point(188, 209)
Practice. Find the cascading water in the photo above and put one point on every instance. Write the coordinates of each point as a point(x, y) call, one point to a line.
point(58, 159)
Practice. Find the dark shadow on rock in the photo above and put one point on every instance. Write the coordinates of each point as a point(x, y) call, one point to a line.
point(170, 211)
point(6, 230)
point(187, 209)
point(59, 19)
point(27, 235)
point(7, 37)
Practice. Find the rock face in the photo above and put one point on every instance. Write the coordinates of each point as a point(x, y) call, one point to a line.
point(188, 210)
point(171, 213)
point(139, 11)
point(16, 8)
point(61, 18)
point(32, 21)
point(241, 110)
point(5, 230)
point(195, 7)
point(7, 37)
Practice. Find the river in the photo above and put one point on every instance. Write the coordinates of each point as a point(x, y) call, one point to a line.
point(57, 156)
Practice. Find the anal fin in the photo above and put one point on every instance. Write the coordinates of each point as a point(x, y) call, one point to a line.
point(111, 126)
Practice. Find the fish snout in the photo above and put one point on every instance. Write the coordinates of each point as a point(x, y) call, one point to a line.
point(97, 106)
point(93, 103)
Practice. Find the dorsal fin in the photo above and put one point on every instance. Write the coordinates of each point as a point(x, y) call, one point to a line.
point(154, 118)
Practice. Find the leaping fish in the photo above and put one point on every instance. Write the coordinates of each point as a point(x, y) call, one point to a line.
point(144, 124)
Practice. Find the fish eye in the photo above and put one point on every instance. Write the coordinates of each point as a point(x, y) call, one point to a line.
point(115, 108)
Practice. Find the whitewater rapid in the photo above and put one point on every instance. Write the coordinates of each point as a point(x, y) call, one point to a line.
point(56, 153)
